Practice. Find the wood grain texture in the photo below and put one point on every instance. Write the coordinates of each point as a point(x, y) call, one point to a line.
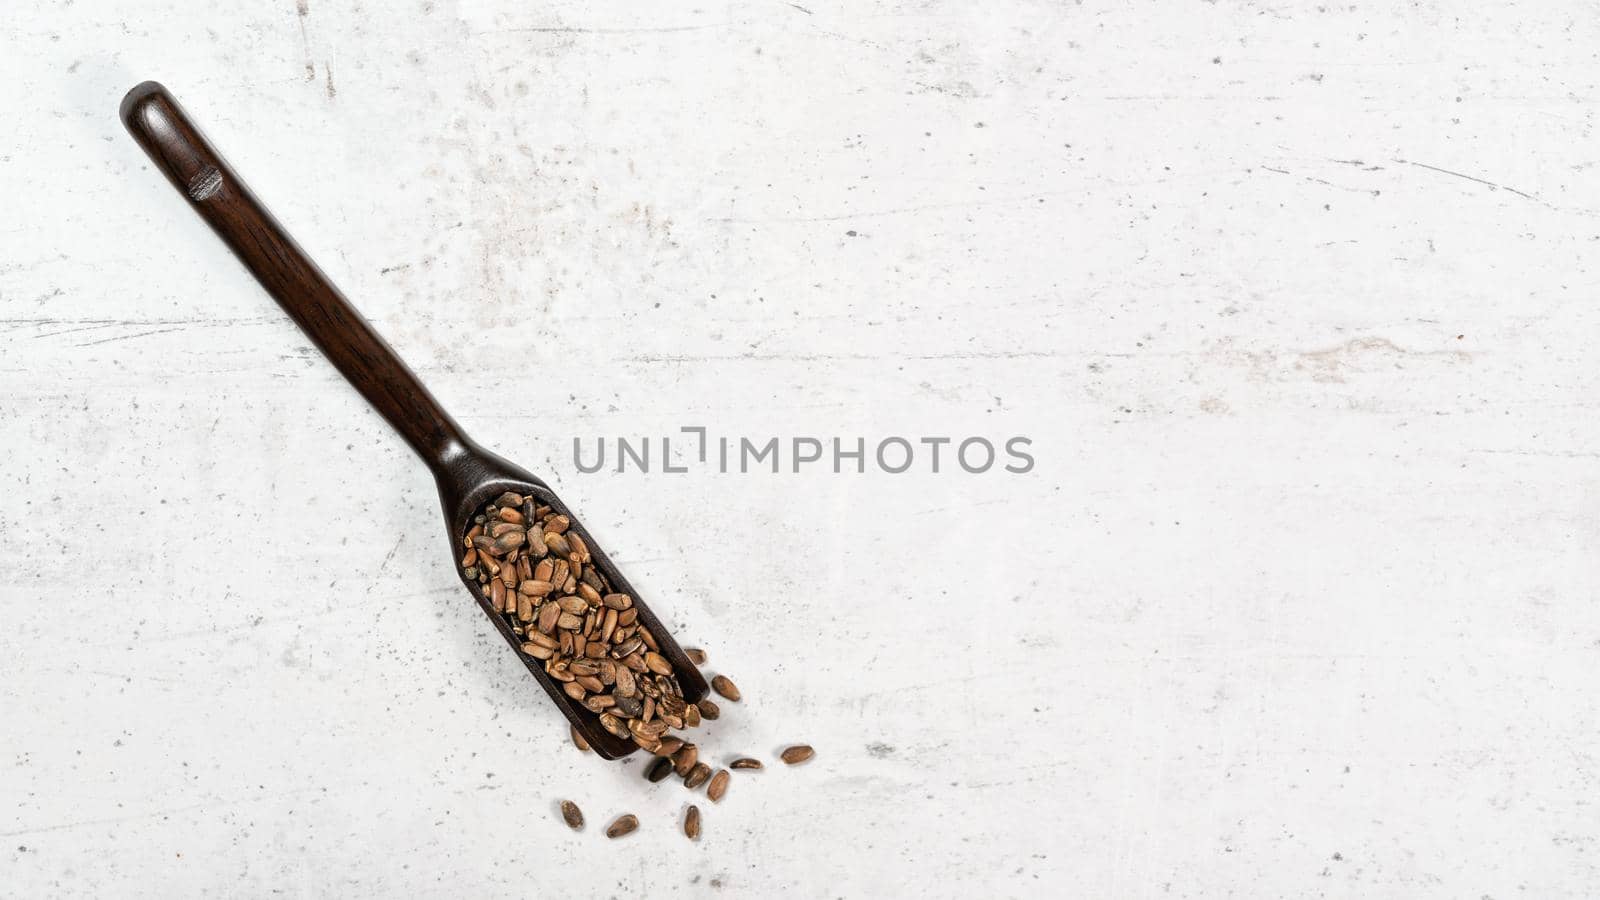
point(1293, 298)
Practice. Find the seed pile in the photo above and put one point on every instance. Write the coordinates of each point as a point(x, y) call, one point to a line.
point(539, 574)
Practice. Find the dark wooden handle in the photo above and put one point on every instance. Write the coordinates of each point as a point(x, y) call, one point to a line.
point(194, 167)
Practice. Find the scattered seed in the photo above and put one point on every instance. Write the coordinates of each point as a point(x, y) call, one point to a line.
point(797, 754)
point(696, 655)
point(745, 762)
point(623, 825)
point(709, 709)
point(724, 686)
point(718, 786)
point(572, 814)
point(691, 823)
point(578, 741)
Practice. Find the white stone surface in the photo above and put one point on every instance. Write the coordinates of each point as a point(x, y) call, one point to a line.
point(1295, 299)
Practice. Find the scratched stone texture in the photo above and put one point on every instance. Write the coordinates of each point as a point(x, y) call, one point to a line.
point(1295, 300)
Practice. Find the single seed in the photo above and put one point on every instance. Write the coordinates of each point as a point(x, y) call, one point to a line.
point(623, 825)
point(691, 823)
point(718, 786)
point(617, 601)
point(578, 741)
point(684, 760)
point(745, 762)
point(558, 545)
point(649, 729)
point(697, 776)
point(575, 690)
point(579, 548)
point(709, 709)
point(625, 682)
point(797, 754)
point(669, 745)
point(535, 587)
point(691, 716)
point(556, 525)
point(613, 724)
point(572, 814)
point(657, 663)
point(547, 617)
point(659, 770)
point(722, 685)
point(696, 655)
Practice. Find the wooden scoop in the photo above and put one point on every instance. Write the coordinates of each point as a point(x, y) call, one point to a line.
point(468, 476)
